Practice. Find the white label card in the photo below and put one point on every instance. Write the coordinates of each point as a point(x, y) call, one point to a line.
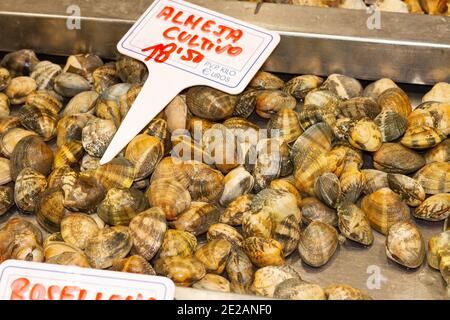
point(185, 45)
point(22, 280)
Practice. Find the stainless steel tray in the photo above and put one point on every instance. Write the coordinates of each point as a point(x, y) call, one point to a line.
point(408, 48)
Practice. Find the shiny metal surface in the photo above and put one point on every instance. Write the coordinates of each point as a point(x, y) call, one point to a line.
point(407, 48)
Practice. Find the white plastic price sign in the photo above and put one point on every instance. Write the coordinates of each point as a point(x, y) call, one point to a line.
point(184, 45)
point(21, 280)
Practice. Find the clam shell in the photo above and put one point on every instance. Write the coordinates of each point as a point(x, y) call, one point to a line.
point(395, 158)
point(170, 195)
point(5, 172)
point(96, 136)
point(176, 114)
point(198, 218)
point(405, 245)
point(376, 88)
point(440, 91)
point(323, 98)
point(70, 128)
point(317, 244)
point(131, 70)
point(224, 231)
point(29, 184)
point(266, 279)
point(84, 102)
point(89, 162)
point(69, 154)
point(268, 163)
point(118, 173)
point(172, 167)
point(409, 189)
point(220, 144)
point(287, 233)
point(7, 123)
point(147, 230)
point(245, 104)
point(213, 282)
point(352, 183)
point(288, 186)
point(439, 153)
point(50, 209)
point(19, 88)
point(269, 102)
point(438, 246)
point(82, 193)
point(263, 252)
point(70, 259)
point(392, 125)
point(144, 152)
point(354, 224)
point(365, 135)
point(158, 128)
point(328, 189)
point(437, 116)
point(434, 177)
point(70, 84)
point(285, 124)
point(311, 114)
point(20, 62)
point(257, 224)
point(383, 208)
point(395, 99)
point(345, 292)
point(38, 120)
point(83, 64)
point(266, 80)
point(343, 86)
point(184, 271)
point(239, 269)
point(315, 140)
point(133, 264)
point(112, 104)
point(314, 210)
point(422, 137)
point(78, 228)
point(243, 129)
point(46, 101)
point(280, 204)
point(4, 105)
point(358, 108)
point(11, 138)
point(206, 184)
point(214, 255)
point(44, 73)
point(295, 289)
point(6, 198)
point(301, 85)
point(236, 183)
point(5, 78)
point(104, 77)
point(236, 210)
point(209, 103)
point(177, 243)
point(121, 205)
point(110, 244)
point(435, 208)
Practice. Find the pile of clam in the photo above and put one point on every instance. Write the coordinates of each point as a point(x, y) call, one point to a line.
point(202, 195)
point(433, 7)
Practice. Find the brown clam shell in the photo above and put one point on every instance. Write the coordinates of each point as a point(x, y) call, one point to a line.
point(147, 230)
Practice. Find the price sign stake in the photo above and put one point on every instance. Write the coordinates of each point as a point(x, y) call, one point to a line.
point(185, 45)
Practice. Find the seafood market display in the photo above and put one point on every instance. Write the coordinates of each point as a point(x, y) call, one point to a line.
point(221, 192)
